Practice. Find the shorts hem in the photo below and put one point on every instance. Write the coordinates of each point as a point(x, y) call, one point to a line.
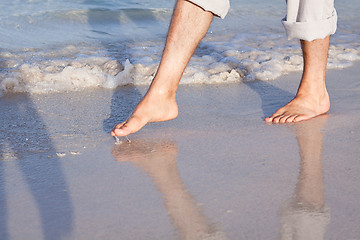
point(219, 8)
point(309, 31)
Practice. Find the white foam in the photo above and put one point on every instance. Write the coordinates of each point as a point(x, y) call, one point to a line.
point(234, 60)
point(120, 78)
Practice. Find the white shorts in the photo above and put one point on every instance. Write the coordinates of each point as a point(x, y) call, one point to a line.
point(305, 19)
point(310, 19)
point(218, 7)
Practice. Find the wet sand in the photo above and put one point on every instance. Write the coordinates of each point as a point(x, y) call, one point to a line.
point(216, 172)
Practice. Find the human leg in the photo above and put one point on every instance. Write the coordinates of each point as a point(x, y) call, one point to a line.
point(312, 98)
point(312, 21)
point(188, 26)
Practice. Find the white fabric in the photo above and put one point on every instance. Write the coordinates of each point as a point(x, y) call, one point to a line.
point(305, 19)
point(310, 19)
point(218, 7)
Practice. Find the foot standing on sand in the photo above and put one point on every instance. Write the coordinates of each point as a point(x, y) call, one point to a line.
point(310, 21)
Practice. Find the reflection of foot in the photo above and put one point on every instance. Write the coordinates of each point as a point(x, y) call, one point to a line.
point(154, 107)
point(309, 190)
point(153, 157)
point(306, 215)
point(302, 107)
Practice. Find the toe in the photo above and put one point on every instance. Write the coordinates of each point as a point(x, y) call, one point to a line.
point(301, 118)
point(271, 119)
point(291, 118)
point(283, 118)
point(268, 119)
point(117, 127)
point(133, 125)
point(278, 113)
point(121, 132)
point(277, 119)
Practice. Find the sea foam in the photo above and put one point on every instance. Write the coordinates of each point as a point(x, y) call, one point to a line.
point(74, 68)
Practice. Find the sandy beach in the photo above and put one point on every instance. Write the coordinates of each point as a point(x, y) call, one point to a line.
point(216, 172)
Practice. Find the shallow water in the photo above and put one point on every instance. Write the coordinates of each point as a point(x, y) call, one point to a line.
point(57, 46)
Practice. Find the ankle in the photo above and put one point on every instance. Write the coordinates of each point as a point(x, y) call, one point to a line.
point(314, 87)
point(318, 91)
point(319, 96)
point(162, 92)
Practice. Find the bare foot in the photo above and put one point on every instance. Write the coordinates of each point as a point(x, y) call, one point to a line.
point(154, 107)
point(302, 107)
point(312, 99)
point(188, 26)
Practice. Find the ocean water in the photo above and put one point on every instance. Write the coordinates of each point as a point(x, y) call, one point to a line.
point(54, 46)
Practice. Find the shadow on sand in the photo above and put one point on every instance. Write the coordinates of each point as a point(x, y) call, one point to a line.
point(272, 98)
point(24, 140)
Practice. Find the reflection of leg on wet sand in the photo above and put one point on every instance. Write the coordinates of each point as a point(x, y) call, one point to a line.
point(158, 160)
point(305, 216)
